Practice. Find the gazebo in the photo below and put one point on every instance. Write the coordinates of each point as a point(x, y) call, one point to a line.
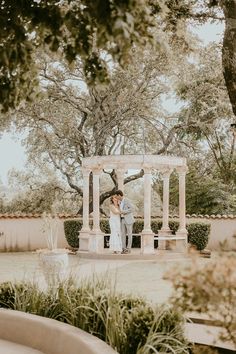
point(93, 240)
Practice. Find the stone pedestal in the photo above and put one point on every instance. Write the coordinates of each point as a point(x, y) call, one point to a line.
point(54, 265)
point(162, 244)
point(96, 242)
point(84, 240)
point(147, 242)
point(182, 244)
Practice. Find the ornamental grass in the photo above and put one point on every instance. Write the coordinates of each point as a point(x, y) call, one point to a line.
point(129, 324)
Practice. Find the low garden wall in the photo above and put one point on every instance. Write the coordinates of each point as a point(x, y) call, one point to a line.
point(25, 232)
point(223, 228)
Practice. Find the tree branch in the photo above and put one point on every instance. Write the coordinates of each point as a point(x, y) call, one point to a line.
point(134, 177)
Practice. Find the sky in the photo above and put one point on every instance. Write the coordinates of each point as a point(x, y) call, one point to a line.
point(12, 153)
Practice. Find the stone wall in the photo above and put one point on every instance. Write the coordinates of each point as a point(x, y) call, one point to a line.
point(223, 227)
point(25, 232)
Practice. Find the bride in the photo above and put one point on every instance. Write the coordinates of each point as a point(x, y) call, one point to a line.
point(114, 222)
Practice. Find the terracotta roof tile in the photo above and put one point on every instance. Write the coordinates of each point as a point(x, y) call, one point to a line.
point(72, 216)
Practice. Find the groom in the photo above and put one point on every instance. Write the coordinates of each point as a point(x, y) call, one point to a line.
point(127, 221)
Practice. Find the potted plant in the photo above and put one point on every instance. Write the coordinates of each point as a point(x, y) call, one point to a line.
point(53, 261)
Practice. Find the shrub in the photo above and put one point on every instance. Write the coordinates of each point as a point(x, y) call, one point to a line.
point(165, 334)
point(104, 225)
point(138, 226)
point(209, 289)
point(7, 295)
point(71, 229)
point(138, 326)
point(198, 234)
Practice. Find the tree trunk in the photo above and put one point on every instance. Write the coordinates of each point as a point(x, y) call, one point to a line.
point(229, 49)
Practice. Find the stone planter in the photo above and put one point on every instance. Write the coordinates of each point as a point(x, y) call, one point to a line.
point(54, 265)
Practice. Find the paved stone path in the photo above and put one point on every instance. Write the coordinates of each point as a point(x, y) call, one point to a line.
point(140, 277)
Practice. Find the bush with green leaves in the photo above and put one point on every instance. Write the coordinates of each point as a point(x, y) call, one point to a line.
point(198, 233)
point(72, 229)
point(7, 295)
point(208, 289)
point(127, 323)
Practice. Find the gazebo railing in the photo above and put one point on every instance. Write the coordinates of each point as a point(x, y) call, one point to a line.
point(155, 238)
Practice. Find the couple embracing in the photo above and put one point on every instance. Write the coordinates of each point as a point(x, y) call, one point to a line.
point(121, 223)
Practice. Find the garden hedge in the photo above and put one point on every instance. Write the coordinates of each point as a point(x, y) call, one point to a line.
point(198, 232)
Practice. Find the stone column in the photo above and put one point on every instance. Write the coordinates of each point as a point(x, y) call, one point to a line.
point(96, 204)
point(85, 231)
point(147, 236)
point(120, 178)
point(165, 230)
point(181, 245)
point(96, 243)
point(147, 199)
point(86, 174)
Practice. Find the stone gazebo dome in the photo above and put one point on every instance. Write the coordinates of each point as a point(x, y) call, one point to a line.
point(93, 240)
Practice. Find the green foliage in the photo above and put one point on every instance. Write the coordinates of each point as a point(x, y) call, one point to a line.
point(125, 322)
point(104, 225)
point(208, 113)
point(144, 319)
point(201, 86)
point(93, 111)
point(33, 201)
point(71, 229)
point(70, 28)
point(22, 296)
point(139, 324)
point(138, 226)
point(209, 289)
point(7, 295)
point(38, 193)
point(205, 191)
point(198, 234)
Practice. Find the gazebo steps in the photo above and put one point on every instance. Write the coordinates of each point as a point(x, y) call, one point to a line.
point(165, 255)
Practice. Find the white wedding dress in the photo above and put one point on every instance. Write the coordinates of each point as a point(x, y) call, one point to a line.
point(115, 237)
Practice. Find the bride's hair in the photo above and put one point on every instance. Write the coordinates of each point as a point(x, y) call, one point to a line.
point(111, 199)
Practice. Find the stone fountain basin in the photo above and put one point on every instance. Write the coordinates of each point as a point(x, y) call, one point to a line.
point(23, 333)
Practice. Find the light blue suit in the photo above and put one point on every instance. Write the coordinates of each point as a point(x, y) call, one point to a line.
point(127, 221)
